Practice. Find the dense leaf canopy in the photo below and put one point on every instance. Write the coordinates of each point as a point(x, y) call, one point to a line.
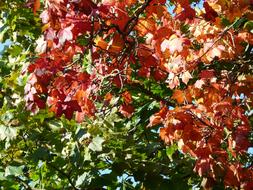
point(112, 94)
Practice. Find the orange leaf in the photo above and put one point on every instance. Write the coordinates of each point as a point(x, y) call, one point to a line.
point(114, 46)
point(145, 25)
point(36, 6)
point(127, 97)
point(178, 95)
point(158, 117)
point(108, 97)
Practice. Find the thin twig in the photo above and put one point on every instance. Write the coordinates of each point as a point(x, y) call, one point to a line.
point(137, 85)
point(63, 174)
point(218, 39)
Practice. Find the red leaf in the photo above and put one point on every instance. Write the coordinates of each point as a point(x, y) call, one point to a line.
point(126, 110)
point(155, 2)
point(158, 117)
point(149, 61)
point(231, 179)
point(159, 75)
point(187, 13)
point(127, 97)
point(40, 103)
point(73, 105)
point(207, 74)
point(81, 28)
point(210, 12)
point(202, 167)
point(121, 20)
point(86, 6)
point(144, 72)
point(164, 134)
point(68, 113)
point(31, 68)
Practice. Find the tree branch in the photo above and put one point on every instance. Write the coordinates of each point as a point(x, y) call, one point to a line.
point(63, 174)
point(134, 19)
point(138, 86)
point(218, 39)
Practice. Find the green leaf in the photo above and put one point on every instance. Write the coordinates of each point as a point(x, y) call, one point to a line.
point(2, 176)
point(41, 154)
point(83, 40)
point(248, 25)
point(96, 144)
point(171, 150)
point(14, 170)
point(7, 133)
point(15, 50)
point(87, 156)
point(55, 125)
point(84, 179)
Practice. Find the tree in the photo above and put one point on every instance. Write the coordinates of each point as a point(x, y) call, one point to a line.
point(111, 94)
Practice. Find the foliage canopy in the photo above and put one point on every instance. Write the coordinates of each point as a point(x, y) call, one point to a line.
point(109, 94)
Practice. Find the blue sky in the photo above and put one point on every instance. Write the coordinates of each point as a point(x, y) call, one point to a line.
point(6, 43)
point(1, 47)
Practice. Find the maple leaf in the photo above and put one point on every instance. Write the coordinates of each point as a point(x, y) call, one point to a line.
point(86, 6)
point(158, 118)
point(159, 75)
point(187, 13)
point(199, 83)
point(44, 17)
point(41, 45)
point(231, 178)
point(159, 47)
point(149, 61)
point(159, 11)
point(36, 6)
point(186, 76)
point(115, 45)
point(81, 28)
point(202, 167)
point(126, 110)
point(172, 80)
point(65, 34)
point(127, 97)
point(207, 74)
point(173, 44)
point(210, 14)
point(144, 72)
point(121, 19)
point(145, 25)
point(178, 95)
point(164, 134)
point(213, 52)
point(163, 32)
point(68, 108)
